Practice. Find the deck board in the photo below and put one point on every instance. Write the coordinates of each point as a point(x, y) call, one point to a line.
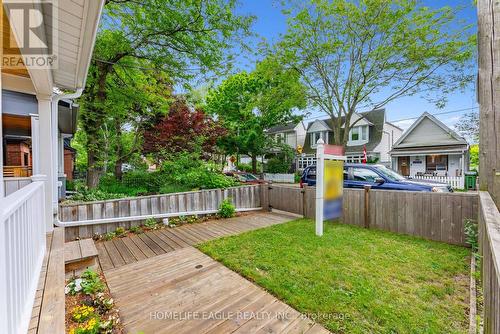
point(118, 252)
point(189, 286)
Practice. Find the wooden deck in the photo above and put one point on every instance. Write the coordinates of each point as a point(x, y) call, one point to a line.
point(185, 291)
point(121, 251)
point(47, 315)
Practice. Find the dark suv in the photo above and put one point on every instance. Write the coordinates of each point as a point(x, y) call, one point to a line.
point(378, 177)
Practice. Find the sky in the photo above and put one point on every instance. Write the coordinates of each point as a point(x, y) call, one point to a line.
point(270, 23)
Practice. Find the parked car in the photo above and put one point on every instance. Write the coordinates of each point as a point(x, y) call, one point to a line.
point(245, 177)
point(378, 177)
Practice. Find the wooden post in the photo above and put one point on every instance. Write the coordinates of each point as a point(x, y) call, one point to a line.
point(489, 97)
point(367, 206)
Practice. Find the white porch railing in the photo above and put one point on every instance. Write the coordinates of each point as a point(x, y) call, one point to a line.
point(280, 178)
point(454, 181)
point(13, 184)
point(22, 248)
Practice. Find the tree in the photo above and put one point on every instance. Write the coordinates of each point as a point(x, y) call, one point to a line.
point(182, 130)
point(353, 54)
point(249, 103)
point(176, 37)
point(468, 126)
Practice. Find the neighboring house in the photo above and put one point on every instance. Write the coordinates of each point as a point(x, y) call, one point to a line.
point(430, 148)
point(292, 134)
point(371, 130)
point(69, 160)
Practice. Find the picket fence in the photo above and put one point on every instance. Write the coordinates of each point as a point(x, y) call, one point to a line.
point(456, 182)
point(279, 178)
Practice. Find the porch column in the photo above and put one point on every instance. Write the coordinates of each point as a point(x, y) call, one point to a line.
point(46, 151)
point(35, 143)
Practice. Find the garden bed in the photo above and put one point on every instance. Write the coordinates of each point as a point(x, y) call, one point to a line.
point(354, 280)
point(90, 309)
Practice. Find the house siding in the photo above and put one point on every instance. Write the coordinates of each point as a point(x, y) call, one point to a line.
point(427, 133)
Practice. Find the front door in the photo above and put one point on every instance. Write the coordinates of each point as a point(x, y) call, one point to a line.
point(404, 166)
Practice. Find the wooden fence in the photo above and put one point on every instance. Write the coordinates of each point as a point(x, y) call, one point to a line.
point(489, 246)
point(246, 197)
point(434, 216)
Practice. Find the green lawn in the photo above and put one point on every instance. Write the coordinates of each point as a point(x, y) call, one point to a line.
point(355, 280)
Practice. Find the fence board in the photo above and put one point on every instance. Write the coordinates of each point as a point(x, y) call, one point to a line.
point(489, 246)
point(241, 197)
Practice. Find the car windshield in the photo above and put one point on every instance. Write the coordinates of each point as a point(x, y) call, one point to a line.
point(390, 174)
point(251, 177)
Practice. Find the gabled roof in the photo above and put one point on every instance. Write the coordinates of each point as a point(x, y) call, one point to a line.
point(375, 117)
point(283, 127)
point(446, 137)
point(322, 122)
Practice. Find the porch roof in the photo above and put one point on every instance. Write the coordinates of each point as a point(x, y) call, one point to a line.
point(443, 149)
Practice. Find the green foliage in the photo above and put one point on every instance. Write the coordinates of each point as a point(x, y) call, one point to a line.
point(91, 283)
point(122, 95)
point(355, 280)
point(471, 234)
point(86, 195)
point(120, 231)
point(189, 171)
point(354, 53)
point(277, 165)
point(474, 157)
point(226, 209)
point(136, 230)
point(109, 184)
point(246, 167)
point(151, 224)
point(109, 236)
point(249, 103)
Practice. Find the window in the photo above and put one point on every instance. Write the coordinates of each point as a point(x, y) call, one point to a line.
point(315, 136)
point(364, 132)
point(364, 175)
point(436, 162)
point(355, 133)
point(359, 133)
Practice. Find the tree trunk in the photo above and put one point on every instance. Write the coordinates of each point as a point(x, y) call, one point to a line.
point(254, 164)
point(119, 152)
point(93, 172)
point(118, 169)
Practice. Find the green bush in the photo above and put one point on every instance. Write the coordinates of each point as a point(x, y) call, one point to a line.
point(226, 209)
point(86, 195)
point(189, 171)
point(277, 165)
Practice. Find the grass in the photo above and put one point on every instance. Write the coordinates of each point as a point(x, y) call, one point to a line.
point(354, 280)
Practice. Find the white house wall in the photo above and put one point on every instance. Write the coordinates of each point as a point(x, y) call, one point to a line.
point(390, 136)
point(454, 164)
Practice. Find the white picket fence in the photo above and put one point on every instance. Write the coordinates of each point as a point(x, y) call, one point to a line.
point(457, 182)
point(22, 248)
point(280, 178)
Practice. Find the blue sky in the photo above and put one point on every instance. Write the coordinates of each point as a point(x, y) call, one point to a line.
point(270, 23)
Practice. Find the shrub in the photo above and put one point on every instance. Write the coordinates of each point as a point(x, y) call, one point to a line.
point(277, 165)
point(226, 209)
point(151, 181)
point(82, 312)
point(91, 283)
point(471, 234)
point(136, 229)
point(151, 224)
point(86, 195)
point(120, 231)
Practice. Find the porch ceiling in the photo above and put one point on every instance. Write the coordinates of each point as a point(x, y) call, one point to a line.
point(77, 22)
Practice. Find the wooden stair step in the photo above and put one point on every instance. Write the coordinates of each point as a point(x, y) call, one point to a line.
point(76, 251)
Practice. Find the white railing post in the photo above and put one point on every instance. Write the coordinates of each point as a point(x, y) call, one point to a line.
point(3, 275)
point(22, 248)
